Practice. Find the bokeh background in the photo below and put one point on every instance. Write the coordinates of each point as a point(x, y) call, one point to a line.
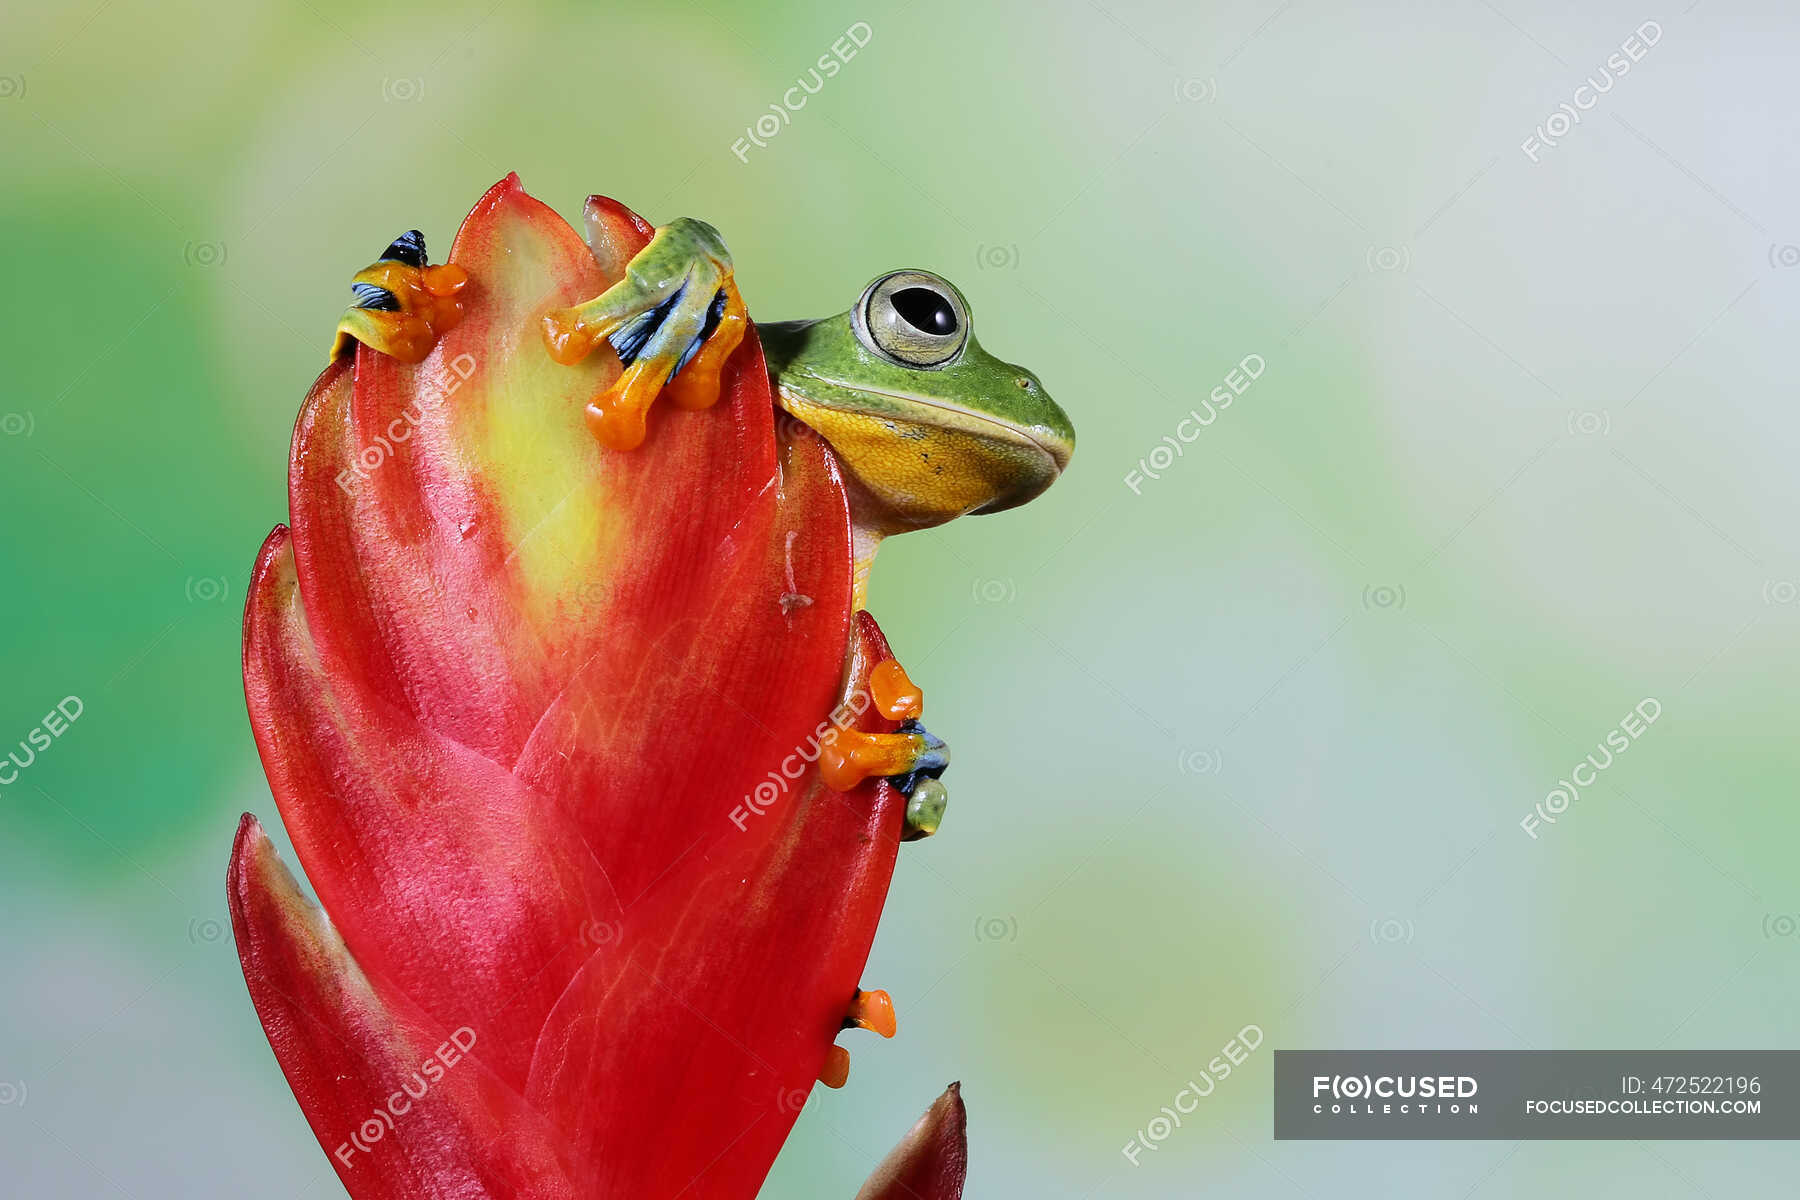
point(1247, 740)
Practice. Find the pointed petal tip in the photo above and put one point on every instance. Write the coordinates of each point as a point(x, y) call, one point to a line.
point(493, 198)
point(255, 873)
point(614, 233)
point(605, 206)
point(248, 845)
point(932, 1160)
point(950, 1108)
point(266, 555)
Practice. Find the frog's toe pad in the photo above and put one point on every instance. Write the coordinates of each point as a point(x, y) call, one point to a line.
point(925, 805)
point(874, 1011)
point(835, 1073)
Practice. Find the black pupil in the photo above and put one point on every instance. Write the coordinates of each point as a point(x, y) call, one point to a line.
point(925, 310)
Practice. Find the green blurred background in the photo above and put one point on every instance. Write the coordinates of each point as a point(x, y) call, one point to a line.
point(1246, 742)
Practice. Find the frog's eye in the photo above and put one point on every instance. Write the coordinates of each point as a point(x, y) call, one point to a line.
point(913, 318)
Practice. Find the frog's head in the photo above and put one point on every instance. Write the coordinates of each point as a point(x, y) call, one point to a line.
point(931, 425)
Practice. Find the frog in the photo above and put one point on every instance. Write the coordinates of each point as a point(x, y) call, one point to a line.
point(926, 423)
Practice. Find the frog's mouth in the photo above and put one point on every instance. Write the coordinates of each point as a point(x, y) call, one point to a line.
point(1055, 450)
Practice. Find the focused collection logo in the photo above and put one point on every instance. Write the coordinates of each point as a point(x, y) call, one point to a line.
point(1532, 1095)
point(1395, 1095)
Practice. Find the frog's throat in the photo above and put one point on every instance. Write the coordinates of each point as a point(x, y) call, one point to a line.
point(864, 541)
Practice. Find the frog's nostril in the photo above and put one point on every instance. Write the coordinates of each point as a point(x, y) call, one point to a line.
point(1024, 383)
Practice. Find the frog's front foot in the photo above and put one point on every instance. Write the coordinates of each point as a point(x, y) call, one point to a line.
point(403, 304)
point(673, 320)
point(911, 758)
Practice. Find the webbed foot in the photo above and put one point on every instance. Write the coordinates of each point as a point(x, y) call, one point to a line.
point(911, 758)
point(673, 320)
point(403, 304)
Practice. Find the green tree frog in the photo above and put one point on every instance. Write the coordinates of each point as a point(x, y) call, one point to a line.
point(928, 425)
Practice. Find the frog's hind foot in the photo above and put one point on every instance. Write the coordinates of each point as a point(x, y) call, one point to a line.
point(871, 1010)
point(911, 758)
point(402, 303)
point(673, 320)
